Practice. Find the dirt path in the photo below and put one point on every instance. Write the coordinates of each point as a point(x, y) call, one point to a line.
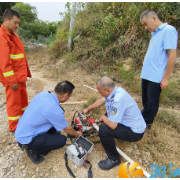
point(15, 163)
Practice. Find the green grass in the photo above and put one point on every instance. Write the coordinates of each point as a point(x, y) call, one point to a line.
point(127, 76)
point(90, 102)
point(169, 118)
point(96, 112)
point(171, 95)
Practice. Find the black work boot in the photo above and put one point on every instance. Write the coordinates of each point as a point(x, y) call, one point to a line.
point(22, 146)
point(149, 125)
point(35, 158)
point(108, 164)
point(12, 131)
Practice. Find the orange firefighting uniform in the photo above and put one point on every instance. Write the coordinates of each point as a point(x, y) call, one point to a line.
point(14, 69)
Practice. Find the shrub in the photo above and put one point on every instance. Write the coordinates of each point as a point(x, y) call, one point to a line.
point(171, 94)
point(57, 47)
point(112, 31)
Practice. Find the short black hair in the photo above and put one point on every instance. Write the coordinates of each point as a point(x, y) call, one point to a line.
point(64, 87)
point(9, 13)
point(148, 14)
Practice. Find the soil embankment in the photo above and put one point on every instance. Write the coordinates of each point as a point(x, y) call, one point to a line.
point(15, 163)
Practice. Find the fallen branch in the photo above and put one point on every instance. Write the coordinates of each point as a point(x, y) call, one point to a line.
point(66, 103)
point(78, 102)
point(90, 88)
point(112, 77)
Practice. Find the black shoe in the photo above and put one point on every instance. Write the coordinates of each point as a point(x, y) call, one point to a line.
point(12, 131)
point(108, 164)
point(149, 126)
point(35, 158)
point(21, 146)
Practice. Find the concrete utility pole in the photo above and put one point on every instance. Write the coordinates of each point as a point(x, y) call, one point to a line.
point(73, 12)
point(86, 4)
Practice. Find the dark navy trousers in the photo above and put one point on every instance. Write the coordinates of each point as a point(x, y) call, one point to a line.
point(121, 132)
point(150, 100)
point(44, 143)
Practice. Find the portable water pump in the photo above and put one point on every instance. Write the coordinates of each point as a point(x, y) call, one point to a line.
point(80, 148)
point(84, 123)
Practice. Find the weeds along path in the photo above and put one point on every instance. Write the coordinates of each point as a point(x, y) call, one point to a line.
point(159, 145)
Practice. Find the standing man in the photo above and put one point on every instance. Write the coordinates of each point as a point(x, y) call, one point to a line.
point(158, 62)
point(123, 120)
point(38, 129)
point(14, 68)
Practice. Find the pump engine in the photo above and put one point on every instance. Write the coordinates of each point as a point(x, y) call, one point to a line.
point(84, 123)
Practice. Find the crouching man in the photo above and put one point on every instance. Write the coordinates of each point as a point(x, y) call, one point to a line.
point(39, 127)
point(123, 120)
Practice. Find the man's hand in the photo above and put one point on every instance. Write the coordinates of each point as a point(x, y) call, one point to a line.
point(164, 84)
point(169, 68)
point(72, 132)
point(14, 87)
point(95, 105)
point(105, 120)
point(86, 111)
point(79, 133)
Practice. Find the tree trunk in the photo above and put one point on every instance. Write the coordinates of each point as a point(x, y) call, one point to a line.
point(86, 4)
point(73, 11)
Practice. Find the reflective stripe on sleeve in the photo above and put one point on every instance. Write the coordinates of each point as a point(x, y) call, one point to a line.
point(23, 109)
point(14, 118)
point(18, 56)
point(10, 73)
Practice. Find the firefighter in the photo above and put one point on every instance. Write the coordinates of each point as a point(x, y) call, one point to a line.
point(14, 68)
point(38, 129)
point(123, 120)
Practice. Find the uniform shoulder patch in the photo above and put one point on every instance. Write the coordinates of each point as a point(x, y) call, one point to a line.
point(113, 111)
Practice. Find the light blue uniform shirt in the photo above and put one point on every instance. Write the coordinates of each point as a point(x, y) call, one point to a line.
point(43, 113)
point(122, 108)
point(156, 58)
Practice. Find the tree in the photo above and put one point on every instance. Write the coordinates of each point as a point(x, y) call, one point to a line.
point(28, 13)
point(44, 28)
point(73, 12)
point(30, 26)
point(3, 7)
